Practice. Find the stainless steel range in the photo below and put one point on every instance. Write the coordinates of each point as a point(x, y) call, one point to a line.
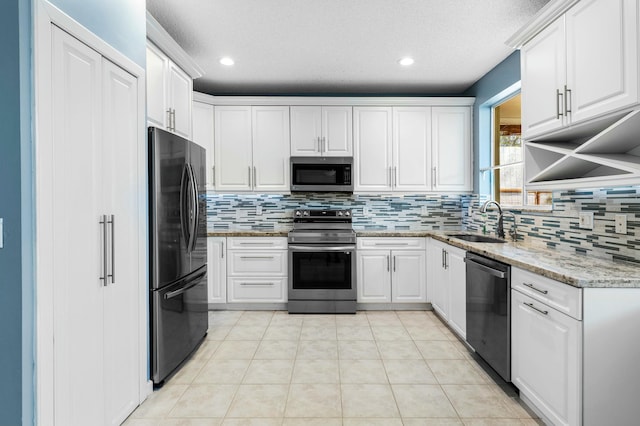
point(322, 270)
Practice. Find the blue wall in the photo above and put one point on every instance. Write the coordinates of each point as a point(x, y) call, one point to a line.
point(493, 87)
point(121, 23)
point(11, 257)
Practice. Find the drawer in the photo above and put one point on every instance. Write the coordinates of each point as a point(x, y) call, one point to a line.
point(252, 243)
point(257, 262)
point(257, 290)
point(557, 295)
point(386, 243)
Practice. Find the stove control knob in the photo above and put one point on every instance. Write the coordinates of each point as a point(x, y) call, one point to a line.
point(347, 213)
point(340, 213)
point(298, 213)
point(305, 213)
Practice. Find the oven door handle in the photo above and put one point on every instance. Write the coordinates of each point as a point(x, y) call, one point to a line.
point(322, 248)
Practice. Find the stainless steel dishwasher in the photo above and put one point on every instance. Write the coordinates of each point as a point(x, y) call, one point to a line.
point(489, 311)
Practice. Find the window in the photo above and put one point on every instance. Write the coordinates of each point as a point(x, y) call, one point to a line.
point(508, 158)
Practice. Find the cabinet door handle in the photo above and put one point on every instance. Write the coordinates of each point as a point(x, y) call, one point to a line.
point(395, 176)
point(213, 175)
point(442, 261)
point(389, 178)
point(324, 144)
point(394, 263)
point(249, 170)
point(222, 250)
point(255, 176)
point(112, 221)
point(567, 95)
point(173, 119)
point(446, 259)
point(558, 104)
point(103, 222)
point(532, 287)
point(169, 119)
point(319, 144)
point(387, 263)
point(530, 305)
point(433, 175)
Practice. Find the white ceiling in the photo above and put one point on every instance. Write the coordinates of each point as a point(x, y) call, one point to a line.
point(343, 46)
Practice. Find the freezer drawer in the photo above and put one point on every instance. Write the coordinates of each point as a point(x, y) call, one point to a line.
point(179, 322)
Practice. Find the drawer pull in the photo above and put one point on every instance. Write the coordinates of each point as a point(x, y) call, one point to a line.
point(257, 257)
point(390, 244)
point(530, 305)
point(532, 287)
point(257, 284)
point(256, 243)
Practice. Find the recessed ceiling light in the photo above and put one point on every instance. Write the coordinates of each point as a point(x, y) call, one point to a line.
point(227, 61)
point(405, 62)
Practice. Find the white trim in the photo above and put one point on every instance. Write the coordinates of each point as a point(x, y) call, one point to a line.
point(549, 13)
point(161, 38)
point(45, 15)
point(326, 100)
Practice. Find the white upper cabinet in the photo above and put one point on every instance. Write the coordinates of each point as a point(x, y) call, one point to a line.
point(321, 131)
point(411, 149)
point(543, 78)
point(602, 57)
point(401, 149)
point(270, 148)
point(232, 153)
point(169, 94)
point(372, 146)
point(583, 65)
point(252, 148)
point(157, 83)
point(203, 135)
point(451, 149)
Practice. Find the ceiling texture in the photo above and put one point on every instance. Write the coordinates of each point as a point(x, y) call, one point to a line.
point(343, 47)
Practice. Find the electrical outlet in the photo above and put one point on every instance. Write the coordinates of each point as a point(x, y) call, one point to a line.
point(424, 210)
point(469, 210)
point(586, 220)
point(621, 224)
point(258, 210)
point(366, 211)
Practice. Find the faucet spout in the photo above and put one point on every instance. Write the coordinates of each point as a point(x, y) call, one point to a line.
point(500, 226)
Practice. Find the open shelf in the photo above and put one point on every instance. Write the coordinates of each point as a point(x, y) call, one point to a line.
point(603, 152)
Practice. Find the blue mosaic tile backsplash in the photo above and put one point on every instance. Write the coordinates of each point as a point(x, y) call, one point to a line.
point(559, 229)
point(409, 212)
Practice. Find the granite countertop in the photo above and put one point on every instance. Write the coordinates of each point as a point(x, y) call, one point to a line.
point(574, 269)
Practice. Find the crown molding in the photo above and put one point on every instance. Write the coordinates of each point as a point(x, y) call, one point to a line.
point(549, 13)
point(161, 38)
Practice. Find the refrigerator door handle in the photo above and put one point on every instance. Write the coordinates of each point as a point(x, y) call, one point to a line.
point(195, 216)
point(192, 283)
point(184, 208)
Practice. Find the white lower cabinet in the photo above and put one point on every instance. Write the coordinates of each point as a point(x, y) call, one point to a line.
point(545, 361)
point(257, 269)
point(217, 269)
point(391, 270)
point(573, 356)
point(447, 283)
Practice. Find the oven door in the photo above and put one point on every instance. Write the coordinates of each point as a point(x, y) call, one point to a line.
point(322, 272)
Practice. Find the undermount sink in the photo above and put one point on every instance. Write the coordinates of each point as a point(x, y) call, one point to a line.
point(477, 238)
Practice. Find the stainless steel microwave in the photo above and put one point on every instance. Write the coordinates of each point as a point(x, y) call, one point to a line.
point(321, 174)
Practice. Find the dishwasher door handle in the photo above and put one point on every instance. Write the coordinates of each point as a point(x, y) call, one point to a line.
point(484, 268)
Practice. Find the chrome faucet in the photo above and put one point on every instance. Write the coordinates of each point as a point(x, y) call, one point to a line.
point(500, 227)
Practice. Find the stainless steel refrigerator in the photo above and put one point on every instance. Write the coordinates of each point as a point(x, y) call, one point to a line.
point(178, 250)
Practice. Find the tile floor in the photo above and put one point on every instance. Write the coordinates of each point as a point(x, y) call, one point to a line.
point(373, 368)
